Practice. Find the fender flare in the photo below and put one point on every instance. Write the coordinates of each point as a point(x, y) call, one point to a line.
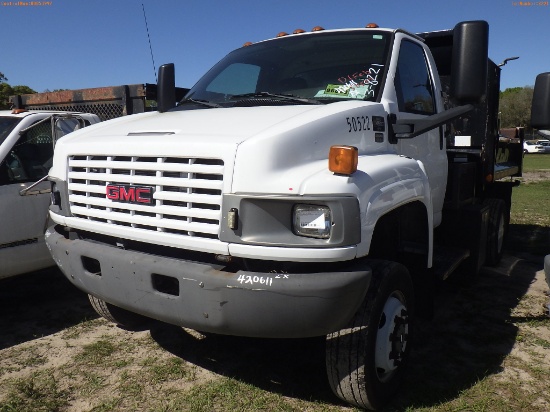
point(392, 195)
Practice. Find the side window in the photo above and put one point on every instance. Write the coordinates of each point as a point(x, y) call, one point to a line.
point(30, 158)
point(413, 82)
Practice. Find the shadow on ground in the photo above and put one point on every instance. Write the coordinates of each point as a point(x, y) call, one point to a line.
point(528, 239)
point(291, 367)
point(472, 332)
point(38, 304)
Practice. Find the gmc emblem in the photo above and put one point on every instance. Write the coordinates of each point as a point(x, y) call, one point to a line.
point(142, 195)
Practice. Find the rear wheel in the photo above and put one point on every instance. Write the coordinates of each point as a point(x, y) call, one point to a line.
point(496, 230)
point(365, 360)
point(121, 317)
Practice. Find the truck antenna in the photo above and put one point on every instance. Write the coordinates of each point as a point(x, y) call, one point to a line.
point(149, 38)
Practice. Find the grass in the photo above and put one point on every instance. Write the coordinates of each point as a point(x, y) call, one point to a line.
point(535, 161)
point(39, 392)
point(530, 217)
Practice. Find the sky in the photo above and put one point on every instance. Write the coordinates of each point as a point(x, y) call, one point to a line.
point(75, 44)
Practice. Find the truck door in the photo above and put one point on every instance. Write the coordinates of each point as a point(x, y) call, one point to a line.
point(416, 93)
point(23, 218)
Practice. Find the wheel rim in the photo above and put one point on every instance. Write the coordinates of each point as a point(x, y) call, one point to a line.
point(391, 338)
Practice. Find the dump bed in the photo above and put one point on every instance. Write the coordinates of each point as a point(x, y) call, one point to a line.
point(475, 136)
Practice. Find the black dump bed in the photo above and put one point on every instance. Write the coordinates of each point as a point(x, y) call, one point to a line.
point(475, 136)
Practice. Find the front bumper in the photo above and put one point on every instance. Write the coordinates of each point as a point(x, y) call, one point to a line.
point(206, 297)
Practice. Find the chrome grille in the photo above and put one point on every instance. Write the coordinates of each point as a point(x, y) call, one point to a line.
point(187, 192)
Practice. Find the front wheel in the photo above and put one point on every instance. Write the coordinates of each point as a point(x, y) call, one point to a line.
point(122, 317)
point(365, 360)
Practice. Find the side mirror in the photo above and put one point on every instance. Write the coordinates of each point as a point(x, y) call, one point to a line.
point(540, 106)
point(469, 61)
point(166, 88)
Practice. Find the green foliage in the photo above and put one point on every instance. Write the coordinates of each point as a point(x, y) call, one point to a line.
point(6, 91)
point(515, 107)
point(22, 90)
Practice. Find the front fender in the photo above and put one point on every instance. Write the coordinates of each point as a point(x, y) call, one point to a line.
point(382, 183)
point(390, 186)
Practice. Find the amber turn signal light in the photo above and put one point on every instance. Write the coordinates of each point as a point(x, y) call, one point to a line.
point(343, 159)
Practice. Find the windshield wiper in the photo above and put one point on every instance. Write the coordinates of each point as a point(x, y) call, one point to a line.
point(200, 102)
point(289, 97)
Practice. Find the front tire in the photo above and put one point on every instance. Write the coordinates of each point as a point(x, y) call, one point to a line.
point(122, 317)
point(366, 359)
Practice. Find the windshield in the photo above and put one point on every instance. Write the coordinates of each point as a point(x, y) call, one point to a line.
point(321, 66)
point(6, 126)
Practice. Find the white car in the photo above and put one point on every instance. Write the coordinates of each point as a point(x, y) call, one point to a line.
point(532, 147)
point(545, 144)
point(27, 141)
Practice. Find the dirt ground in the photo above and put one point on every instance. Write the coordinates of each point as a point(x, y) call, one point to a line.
point(489, 326)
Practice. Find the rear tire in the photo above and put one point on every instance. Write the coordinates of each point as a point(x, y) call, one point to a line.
point(114, 314)
point(365, 360)
point(496, 230)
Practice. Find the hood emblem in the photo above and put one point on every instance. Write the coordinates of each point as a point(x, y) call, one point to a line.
point(142, 195)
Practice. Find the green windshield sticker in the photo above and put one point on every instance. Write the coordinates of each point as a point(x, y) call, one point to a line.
point(346, 91)
point(336, 90)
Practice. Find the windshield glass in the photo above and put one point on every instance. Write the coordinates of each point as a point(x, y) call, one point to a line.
point(6, 126)
point(322, 66)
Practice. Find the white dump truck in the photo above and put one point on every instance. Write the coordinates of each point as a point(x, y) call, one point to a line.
point(317, 183)
point(27, 141)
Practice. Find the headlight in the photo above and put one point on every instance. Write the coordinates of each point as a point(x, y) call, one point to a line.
point(312, 221)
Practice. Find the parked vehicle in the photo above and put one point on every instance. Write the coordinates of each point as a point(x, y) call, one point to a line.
point(27, 141)
point(530, 146)
point(545, 144)
point(300, 189)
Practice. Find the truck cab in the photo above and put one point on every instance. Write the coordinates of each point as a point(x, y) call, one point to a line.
point(26, 150)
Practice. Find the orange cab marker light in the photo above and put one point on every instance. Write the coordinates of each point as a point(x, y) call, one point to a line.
point(17, 111)
point(248, 43)
point(317, 28)
point(372, 26)
point(298, 31)
point(343, 159)
point(282, 34)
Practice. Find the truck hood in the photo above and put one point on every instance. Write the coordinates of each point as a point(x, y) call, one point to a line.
point(231, 125)
point(254, 140)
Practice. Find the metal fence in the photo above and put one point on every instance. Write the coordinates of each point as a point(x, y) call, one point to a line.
point(106, 102)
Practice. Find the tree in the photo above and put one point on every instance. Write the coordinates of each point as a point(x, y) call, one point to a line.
point(6, 91)
point(515, 107)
